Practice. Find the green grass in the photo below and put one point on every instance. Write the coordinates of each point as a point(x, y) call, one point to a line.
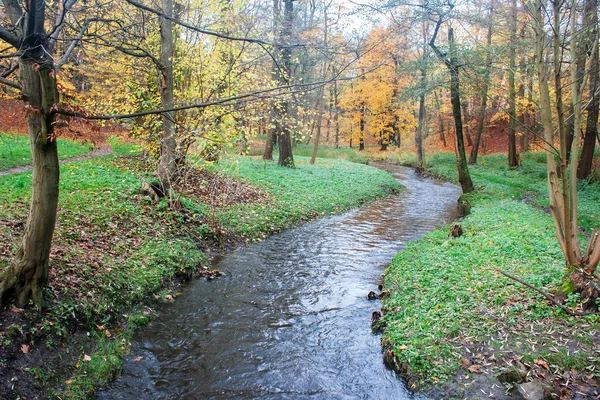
point(113, 249)
point(330, 186)
point(15, 150)
point(448, 296)
point(344, 153)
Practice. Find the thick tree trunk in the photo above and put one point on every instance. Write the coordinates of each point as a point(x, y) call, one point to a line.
point(27, 274)
point(167, 164)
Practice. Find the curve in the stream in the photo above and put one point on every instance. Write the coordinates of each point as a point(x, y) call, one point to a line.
point(290, 317)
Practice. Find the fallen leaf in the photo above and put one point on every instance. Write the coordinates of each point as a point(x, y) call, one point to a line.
point(87, 358)
point(137, 359)
point(464, 362)
point(25, 348)
point(403, 347)
point(542, 363)
point(107, 333)
point(474, 369)
point(16, 309)
point(100, 327)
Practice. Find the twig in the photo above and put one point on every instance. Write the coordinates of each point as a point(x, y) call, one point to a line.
point(545, 294)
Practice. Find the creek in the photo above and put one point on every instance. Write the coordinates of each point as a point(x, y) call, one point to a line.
point(290, 318)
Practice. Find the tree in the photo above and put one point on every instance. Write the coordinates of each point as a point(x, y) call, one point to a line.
point(286, 158)
point(273, 133)
point(486, 87)
point(452, 65)
point(562, 178)
point(584, 169)
point(168, 155)
point(28, 273)
point(513, 157)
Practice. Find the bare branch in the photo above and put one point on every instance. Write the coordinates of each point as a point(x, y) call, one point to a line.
point(10, 83)
point(211, 33)
point(9, 37)
point(546, 295)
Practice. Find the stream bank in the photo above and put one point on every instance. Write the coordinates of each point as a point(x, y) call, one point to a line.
point(290, 317)
point(117, 253)
point(457, 328)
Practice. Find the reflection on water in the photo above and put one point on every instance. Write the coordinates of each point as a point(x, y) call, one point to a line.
point(290, 317)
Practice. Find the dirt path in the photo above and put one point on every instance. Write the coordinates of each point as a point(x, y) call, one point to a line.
point(102, 151)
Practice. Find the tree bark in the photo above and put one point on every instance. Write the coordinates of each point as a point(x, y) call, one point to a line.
point(274, 128)
point(286, 158)
point(167, 164)
point(27, 274)
point(513, 157)
point(452, 64)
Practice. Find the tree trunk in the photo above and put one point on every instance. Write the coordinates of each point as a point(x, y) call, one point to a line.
point(286, 158)
point(584, 169)
point(319, 123)
point(423, 88)
point(361, 139)
point(461, 159)
point(484, 93)
point(466, 117)
point(513, 157)
point(167, 164)
point(27, 274)
point(273, 129)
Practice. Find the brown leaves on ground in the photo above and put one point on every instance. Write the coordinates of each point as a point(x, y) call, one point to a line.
point(217, 190)
point(12, 119)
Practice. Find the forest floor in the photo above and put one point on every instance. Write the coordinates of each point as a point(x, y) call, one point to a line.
point(117, 252)
point(455, 327)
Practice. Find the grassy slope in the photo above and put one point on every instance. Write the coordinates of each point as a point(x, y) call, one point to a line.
point(15, 151)
point(449, 303)
point(114, 248)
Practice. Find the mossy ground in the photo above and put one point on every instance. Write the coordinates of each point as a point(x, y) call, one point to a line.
point(454, 321)
point(115, 252)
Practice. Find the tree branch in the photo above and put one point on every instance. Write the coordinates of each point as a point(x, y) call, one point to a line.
point(73, 44)
point(206, 32)
point(10, 83)
point(60, 18)
point(9, 37)
point(546, 295)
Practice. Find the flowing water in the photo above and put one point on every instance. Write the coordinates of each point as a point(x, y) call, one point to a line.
point(290, 317)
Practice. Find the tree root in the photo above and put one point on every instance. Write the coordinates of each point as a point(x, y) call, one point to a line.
point(21, 282)
point(546, 295)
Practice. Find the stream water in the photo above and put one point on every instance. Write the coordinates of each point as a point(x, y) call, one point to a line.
point(290, 317)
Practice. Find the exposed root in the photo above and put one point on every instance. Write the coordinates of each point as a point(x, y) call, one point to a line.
point(546, 295)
